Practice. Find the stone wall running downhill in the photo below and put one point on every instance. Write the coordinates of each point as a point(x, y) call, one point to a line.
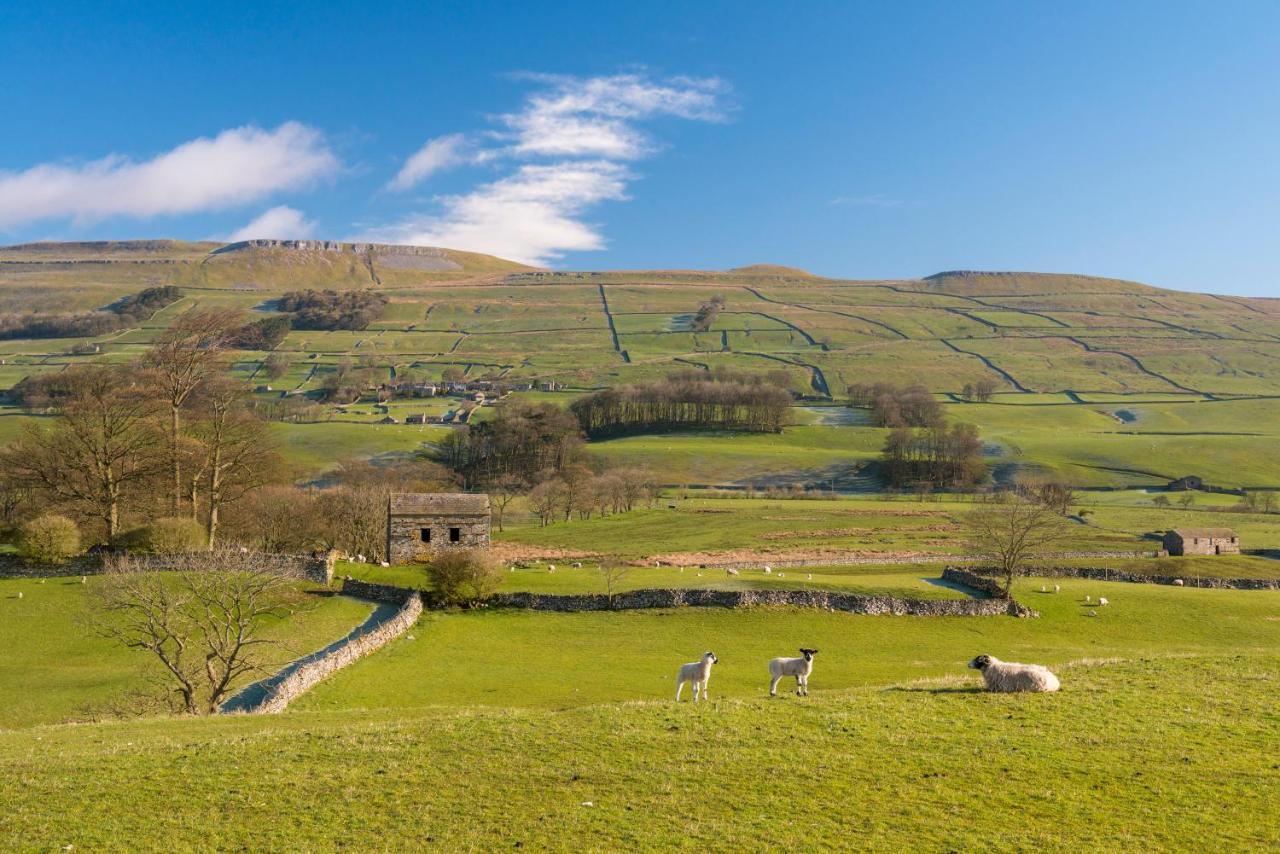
point(853, 603)
point(308, 675)
point(1101, 573)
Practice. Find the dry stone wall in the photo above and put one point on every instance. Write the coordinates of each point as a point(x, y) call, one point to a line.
point(304, 678)
point(1101, 573)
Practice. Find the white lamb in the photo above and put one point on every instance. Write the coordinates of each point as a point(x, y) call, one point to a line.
point(1177, 582)
point(767, 569)
point(1009, 676)
point(698, 673)
point(1102, 600)
point(797, 667)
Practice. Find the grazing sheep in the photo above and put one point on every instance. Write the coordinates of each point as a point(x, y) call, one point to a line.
point(1057, 588)
point(84, 579)
point(782, 575)
point(1044, 589)
point(797, 667)
point(809, 577)
point(767, 569)
point(1088, 600)
point(383, 563)
point(731, 571)
point(551, 567)
point(1102, 600)
point(1177, 582)
point(19, 594)
point(1009, 676)
point(577, 565)
point(1093, 613)
point(698, 673)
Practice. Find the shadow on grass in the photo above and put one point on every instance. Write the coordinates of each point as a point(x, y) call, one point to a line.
point(976, 689)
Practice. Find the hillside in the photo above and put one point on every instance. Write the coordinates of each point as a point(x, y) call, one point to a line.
point(1092, 375)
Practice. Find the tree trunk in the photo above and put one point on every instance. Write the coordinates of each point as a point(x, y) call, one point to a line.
point(174, 426)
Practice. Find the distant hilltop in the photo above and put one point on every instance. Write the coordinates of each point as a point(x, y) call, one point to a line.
point(334, 246)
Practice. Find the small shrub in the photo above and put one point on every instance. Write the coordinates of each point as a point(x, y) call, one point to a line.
point(167, 536)
point(48, 539)
point(462, 576)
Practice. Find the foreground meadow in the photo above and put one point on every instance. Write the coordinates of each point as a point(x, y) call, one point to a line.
point(1143, 754)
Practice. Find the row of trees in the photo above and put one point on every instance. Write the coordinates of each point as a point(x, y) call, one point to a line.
point(329, 310)
point(936, 457)
point(167, 436)
point(897, 406)
point(686, 400)
point(576, 490)
point(128, 311)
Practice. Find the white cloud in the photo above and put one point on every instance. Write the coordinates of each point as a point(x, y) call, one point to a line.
point(279, 223)
point(236, 167)
point(566, 147)
point(529, 216)
point(443, 152)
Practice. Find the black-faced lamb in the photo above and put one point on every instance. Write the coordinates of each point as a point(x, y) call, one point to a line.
point(797, 667)
point(1009, 676)
point(698, 673)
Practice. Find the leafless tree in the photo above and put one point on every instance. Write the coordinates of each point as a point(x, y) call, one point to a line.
point(238, 453)
point(612, 575)
point(183, 358)
point(502, 491)
point(1011, 530)
point(101, 447)
point(353, 519)
point(202, 623)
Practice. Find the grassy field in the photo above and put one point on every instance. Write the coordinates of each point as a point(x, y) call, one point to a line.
point(538, 659)
point(54, 667)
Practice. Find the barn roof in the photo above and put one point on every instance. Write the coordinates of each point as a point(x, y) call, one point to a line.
point(1203, 533)
point(443, 503)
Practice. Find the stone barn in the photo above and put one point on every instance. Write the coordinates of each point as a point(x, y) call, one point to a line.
point(1202, 541)
point(428, 521)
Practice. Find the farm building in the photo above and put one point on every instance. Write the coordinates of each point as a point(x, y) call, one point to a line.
point(1202, 541)
point(418, 522)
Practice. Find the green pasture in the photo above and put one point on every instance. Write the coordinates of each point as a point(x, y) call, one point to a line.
point(55, 667)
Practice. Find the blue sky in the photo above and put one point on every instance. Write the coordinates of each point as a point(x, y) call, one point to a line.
point(1135, 140)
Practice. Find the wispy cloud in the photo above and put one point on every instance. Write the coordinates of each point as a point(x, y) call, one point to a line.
point(566, 149)
point(439, 154)
point(279, 223)
point(236, 167)
point(874, 200)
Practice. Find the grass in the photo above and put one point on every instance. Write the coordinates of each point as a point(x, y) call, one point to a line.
point(1153, 754)
point(54, 667)
point(548, 660)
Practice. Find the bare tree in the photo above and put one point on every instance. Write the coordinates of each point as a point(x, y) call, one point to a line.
point(502, 491)
point(186, 355)
point(353, 519)
point(239, 455)
point(202, 623)
point(1010, 530)
point(612, 575)
point(102, 446)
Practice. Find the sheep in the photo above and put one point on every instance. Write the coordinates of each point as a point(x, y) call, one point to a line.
point(19, 594)
point(1177, 582)
point(797, 667)
point(1044, 589)
point(809, 577)
point(1102, 600)
point(577, 565)
point(698, 673)
point(383, 564)
point(1057, 588)
point(551, 567)
point(84, 579)
point(768, 569)
point(731, 571)
point(1088, 600)
point(1009, 676)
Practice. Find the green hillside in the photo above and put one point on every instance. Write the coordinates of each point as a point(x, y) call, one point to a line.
point(1100, 380)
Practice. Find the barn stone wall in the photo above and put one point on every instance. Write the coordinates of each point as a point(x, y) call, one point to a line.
point(404, 534)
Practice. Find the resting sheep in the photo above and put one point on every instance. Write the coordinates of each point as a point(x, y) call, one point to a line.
point(1009, 676)
point(697, 672)
point(797, 667)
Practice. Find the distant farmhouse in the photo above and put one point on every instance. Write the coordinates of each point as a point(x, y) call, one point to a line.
point(420, 522)
point(1202, 541)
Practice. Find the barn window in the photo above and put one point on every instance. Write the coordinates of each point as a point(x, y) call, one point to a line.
point(455, 535)
point(425, 534)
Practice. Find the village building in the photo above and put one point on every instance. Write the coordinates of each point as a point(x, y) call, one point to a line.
point(1202, 541)
point(416, 418)
point(420, 522)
